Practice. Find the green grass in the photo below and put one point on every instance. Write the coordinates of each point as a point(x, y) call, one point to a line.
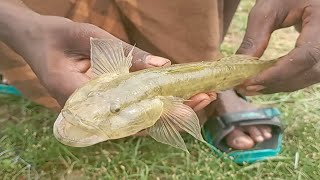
point(29, 150)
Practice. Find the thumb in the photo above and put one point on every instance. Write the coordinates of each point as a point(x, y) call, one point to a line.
point(142, 60)
point(261, 23)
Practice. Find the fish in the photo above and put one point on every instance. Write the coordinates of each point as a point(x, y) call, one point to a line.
point(117, 103)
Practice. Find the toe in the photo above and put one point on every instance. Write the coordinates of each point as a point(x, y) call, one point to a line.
point(254, 133)
point(266, 131)
point(237, 139)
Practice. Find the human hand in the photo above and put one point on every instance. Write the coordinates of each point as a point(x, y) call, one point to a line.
point(300, 67)
point(63, 63)
point(59, 54)
point(58, 49)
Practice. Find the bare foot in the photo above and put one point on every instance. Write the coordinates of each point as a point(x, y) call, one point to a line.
point(241, 137)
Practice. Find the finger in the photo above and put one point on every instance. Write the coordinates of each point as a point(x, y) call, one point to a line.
point(300, 81)
point(246, 90)
point(296, 70)
point(141, 59)
point(82, 65)
point(261, 23)
point(289, 73)
point(145, 60)
point(201, 100)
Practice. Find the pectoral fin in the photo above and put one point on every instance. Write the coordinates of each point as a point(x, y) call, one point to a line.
point(176, 114)
point(164, 131)
point(107, 56)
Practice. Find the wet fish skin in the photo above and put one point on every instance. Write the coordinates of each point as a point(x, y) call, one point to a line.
point(116, 105)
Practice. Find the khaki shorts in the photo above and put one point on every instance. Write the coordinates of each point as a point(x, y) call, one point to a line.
point(180, 30)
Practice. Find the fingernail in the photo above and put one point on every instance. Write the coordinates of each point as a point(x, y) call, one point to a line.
point(252, 93)
point(157, 61)
point(244, 92)
point(241, 91)
point(255, 88)
point(202, 105)
point(212, 95)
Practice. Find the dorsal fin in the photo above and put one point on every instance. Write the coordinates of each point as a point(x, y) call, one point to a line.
point(107, 56)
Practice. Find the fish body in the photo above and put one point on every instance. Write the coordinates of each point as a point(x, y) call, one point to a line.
point(118, 104)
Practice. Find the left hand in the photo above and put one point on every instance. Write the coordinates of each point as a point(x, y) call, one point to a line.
point(298, 69)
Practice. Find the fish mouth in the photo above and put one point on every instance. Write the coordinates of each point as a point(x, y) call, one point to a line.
point(75, 120)
point(72, 135)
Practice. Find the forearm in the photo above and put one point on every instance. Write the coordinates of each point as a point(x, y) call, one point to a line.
point(16, 23)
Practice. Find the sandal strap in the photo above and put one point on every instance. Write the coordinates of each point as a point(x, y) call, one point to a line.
point(221, 126)
point(246, 117)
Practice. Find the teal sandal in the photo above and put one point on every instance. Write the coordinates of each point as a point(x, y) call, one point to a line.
point(216, 129)
point(7, 89)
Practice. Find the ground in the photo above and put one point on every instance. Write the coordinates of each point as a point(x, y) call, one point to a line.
point(29, 150)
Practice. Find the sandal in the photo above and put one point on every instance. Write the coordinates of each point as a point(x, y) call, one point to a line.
point(7, 89)
point(216, 129)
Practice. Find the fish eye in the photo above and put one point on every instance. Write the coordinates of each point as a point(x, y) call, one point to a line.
point(114, 107)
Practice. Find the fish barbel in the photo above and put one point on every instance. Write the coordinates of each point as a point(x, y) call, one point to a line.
point(117, 104)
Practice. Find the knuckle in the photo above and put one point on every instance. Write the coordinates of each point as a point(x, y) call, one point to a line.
point(258, 80)
point(309, 77)
point(261, 9)
point(139, 54)
point(265, 13)
point(85, 29)
point(246, 44)
point(86, 26)
point(313, 55)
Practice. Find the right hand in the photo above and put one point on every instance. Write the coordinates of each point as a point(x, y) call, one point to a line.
point(300, 67)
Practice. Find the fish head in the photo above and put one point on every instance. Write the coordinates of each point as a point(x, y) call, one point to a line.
point(112, 118)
